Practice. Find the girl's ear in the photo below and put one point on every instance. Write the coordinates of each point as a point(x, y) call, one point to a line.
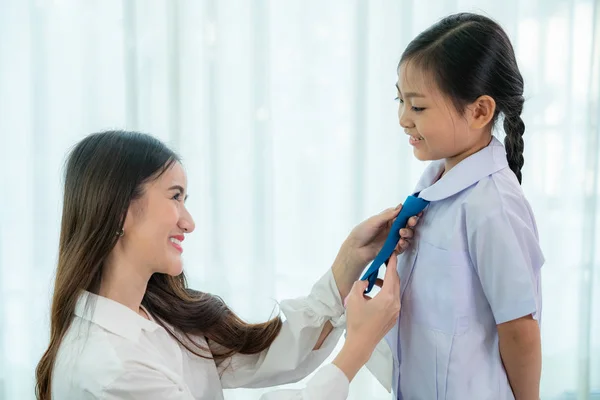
point(481, 112)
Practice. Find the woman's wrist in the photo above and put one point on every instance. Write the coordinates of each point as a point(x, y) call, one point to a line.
point(346, 270)
point(352, 357)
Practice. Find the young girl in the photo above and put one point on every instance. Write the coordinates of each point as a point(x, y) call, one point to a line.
point(470, 293)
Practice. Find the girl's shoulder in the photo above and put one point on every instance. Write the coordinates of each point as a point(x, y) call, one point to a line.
point(497, 196)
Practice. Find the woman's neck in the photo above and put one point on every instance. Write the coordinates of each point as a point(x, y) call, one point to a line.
point(124, 282)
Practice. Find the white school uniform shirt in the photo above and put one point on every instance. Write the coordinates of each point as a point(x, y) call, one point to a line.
point(110, 352)
point(475, 263)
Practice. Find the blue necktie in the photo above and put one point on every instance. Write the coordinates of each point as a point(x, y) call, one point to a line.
point(411, 207)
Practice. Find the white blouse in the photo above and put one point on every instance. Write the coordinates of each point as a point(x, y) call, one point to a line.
point(111, 352)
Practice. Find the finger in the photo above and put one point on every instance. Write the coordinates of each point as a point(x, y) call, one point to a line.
point(391, 279)
point(399, 250)
point(387, 210)
point(358, 288)
point(400, 246)
point(392, 210)
point(412, 221)
point(385, 217)
point(406, 233)
point(403, 244)
point(392, 261)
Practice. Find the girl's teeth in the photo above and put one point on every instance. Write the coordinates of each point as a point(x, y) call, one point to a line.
point(177, 242)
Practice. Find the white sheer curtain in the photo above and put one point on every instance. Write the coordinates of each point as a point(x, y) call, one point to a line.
point(284, 114)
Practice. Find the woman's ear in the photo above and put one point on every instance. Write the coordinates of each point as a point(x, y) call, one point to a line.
point(135, 212)
point(130, 215)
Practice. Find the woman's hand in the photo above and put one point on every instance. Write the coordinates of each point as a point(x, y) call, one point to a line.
point(363, 243)
point(367, 238)
point(369, 320)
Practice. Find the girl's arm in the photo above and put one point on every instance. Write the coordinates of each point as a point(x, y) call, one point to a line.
point(521, 351)
point(507, 257)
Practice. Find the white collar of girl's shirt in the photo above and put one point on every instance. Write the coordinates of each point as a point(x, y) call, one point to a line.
point(112, 316)
point(469, 171)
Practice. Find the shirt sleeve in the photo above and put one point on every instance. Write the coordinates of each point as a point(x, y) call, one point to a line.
point(144, 383)
point(291, 357)
point(141, 382)
point(507, 257)
point(329, 383)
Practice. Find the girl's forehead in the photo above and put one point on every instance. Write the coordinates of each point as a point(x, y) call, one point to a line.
point(413, 80)
point(411, 77)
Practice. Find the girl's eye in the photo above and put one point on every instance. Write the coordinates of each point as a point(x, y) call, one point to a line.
point(418, 109)
point(399, 99)
point(177, 197)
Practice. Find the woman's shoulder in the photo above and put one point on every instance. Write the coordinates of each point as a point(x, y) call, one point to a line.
point(90, 359)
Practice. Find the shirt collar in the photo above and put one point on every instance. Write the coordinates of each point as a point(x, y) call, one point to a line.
point(112, 316)
point(469, 171)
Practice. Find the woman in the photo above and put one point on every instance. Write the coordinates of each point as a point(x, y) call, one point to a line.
point(124, 324)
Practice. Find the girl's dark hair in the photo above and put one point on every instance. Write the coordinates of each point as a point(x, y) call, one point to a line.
point(105, 172)
point(468, 56)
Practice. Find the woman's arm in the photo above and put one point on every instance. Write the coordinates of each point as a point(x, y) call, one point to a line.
point(291, 356)
point(314, 324)
point(360, 248)
point(368, 321)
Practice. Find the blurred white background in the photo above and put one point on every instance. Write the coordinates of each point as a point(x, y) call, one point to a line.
point(284, 114)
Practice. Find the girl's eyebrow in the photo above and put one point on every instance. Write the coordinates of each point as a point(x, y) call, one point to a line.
point(409, 94)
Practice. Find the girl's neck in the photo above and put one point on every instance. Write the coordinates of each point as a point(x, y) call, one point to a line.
point(452, 162)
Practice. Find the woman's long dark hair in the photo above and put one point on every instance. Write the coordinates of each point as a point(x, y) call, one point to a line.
point(105, 173)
